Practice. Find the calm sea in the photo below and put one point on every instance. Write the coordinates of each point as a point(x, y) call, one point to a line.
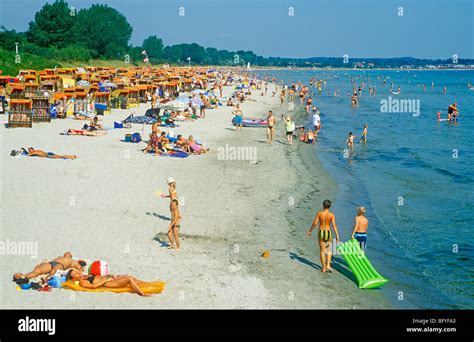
point(415, 176)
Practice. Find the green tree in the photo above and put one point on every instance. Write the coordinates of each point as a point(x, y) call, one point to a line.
point(153, 46)
point(52, 25)
point(103, 30)
point(173, 53)
point(9, 38)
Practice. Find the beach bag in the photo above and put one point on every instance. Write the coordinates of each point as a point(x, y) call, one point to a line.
point(128, 138)
point(118, 124)
point(136, 138)
point(100, 106)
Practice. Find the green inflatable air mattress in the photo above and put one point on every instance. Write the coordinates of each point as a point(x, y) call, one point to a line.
point(365, 273)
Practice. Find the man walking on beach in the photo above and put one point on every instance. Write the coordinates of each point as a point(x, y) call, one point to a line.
point(173, 229)
point(326, 220)
point(270, 127)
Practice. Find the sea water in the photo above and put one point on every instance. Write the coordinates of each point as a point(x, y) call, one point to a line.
point(415, 176)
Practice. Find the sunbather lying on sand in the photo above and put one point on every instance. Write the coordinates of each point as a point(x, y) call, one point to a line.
point(181, 142)
point(111, 281)
point(50, 268)
point(42, 154)
point(72, 131)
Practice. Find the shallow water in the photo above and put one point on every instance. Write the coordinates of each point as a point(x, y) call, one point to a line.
point(415, 177)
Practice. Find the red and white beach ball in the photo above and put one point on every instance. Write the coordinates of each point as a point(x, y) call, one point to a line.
point(99, 268)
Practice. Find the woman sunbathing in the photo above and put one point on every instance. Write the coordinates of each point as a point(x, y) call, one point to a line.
point(72, 131)
point(110, 281)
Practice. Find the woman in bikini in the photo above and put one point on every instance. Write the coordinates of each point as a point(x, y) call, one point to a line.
point(72, 131)
point(171, 189)
point(110, 281)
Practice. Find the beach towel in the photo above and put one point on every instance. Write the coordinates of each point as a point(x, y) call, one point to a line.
point(149, 288)
point(139, 120)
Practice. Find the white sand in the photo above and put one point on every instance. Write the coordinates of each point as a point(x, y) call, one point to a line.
point(103, 206)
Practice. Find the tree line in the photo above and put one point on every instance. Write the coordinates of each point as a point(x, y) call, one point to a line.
point(101, 32)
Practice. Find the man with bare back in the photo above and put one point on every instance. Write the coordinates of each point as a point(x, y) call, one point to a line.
point(361, 225)
point(50, 268)
point(270, 127)
point(326, 221)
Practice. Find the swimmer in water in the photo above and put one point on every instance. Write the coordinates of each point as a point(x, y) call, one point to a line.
point(350, 141)
point(364, 134)
point(453, 112)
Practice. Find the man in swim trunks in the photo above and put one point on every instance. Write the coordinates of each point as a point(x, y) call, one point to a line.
point(42, 154)
point(173, 229)
point(50, 268)
point(310, 137)
point(360, 228)
point(152, 144)
point(325, 219)
point(238, 118)
point(270, 127)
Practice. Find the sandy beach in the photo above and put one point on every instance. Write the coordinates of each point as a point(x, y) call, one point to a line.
point(103, 206)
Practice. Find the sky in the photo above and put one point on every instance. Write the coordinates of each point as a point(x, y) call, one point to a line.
point(358, 28)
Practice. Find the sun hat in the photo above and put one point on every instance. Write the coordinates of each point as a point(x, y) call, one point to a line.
point(170, 180)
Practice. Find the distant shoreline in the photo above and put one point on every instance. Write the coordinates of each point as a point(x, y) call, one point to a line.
point(356, 69)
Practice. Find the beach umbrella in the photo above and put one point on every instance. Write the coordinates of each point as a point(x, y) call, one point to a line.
point(110, 85)
point(83, 83)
